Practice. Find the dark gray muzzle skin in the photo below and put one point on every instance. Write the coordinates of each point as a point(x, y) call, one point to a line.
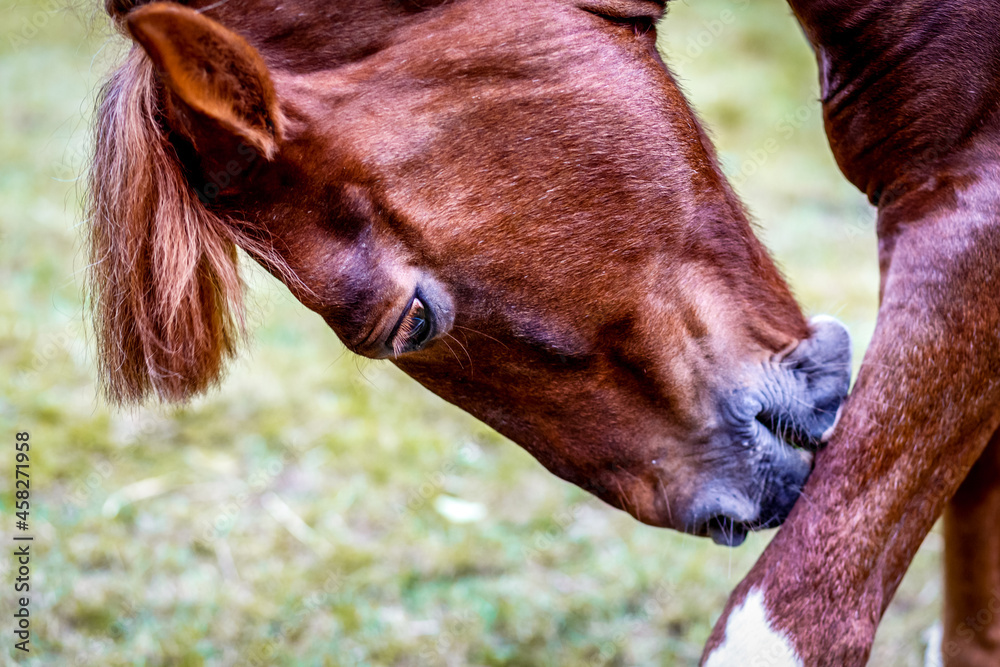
point(801, 403)
point(777, 424)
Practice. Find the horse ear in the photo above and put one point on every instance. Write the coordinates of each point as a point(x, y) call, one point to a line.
point(219, 80)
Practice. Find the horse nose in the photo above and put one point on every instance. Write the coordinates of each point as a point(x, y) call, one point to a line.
point(820, 377)
point(798, 397)
point(795, 399)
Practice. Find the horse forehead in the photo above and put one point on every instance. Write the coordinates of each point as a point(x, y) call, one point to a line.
point(312, 35)
point(439, 97)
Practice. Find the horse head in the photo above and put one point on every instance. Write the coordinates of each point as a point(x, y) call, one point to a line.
point(511, 200)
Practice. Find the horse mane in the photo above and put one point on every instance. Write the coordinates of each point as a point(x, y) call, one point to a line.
point(164, 287)
point(165, 290)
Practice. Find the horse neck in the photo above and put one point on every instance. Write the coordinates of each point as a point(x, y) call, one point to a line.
point(907, 83)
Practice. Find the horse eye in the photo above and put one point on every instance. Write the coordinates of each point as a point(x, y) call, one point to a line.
point(639, 25)
point(414, 330)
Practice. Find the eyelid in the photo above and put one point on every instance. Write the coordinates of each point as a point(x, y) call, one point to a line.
point(641, 24)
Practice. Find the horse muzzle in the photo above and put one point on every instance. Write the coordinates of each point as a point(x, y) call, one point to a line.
point(774, 424)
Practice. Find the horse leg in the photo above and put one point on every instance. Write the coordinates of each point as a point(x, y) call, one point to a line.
point(972, 566)
point(926, 403)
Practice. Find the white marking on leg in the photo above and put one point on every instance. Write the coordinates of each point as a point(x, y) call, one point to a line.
point(750, 640)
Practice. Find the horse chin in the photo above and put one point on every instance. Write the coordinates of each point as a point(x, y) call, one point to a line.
point(781, 471)
point(728, 533)
point(728, 509)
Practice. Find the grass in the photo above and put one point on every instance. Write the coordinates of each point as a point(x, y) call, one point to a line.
point(319, 510)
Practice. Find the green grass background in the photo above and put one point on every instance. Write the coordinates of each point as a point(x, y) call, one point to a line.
point(320, 510)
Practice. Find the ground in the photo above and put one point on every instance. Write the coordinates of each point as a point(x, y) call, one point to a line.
point(320, 510)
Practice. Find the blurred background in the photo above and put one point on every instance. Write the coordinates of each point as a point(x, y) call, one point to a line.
point(323, 510)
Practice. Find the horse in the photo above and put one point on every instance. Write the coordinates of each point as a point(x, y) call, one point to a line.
point(910, 95)
point(527, 220)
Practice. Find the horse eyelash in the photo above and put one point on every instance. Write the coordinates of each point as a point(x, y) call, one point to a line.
point(406, 329)
point(642, 25)
point(408, 326)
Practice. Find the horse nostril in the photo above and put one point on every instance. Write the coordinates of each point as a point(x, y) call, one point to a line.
point(815, 380)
